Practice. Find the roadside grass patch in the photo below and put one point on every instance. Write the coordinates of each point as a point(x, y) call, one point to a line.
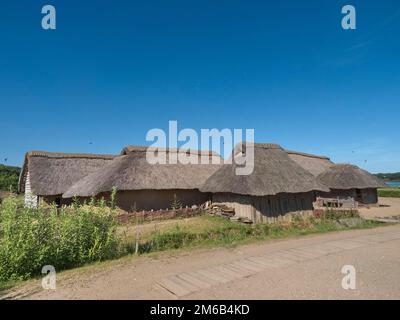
point(389, 192)
point(228, 233)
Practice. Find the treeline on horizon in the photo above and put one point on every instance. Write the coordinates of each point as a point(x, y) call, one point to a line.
point(389, 176)
point(9, 178)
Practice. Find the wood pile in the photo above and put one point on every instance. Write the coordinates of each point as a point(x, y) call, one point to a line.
point(224, 211)
point(220, 210)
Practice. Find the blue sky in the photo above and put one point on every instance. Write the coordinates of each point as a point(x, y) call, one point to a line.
point(112, 70)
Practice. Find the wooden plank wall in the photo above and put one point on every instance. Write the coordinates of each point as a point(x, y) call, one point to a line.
point(267, 208)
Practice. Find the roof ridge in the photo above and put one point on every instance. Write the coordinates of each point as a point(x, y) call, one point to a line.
point(263, 145)
point(344, 164)
point(310, 155)
point(133, 148)
point(63, 155)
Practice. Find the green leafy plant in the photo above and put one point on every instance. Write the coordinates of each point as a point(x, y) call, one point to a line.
point(113, 197)
point(176, 203)
point(63, 237)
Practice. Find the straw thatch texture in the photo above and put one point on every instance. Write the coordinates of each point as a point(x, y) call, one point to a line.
point(348, 176)
point(132, 171)
point(274, 172)
point(129, 149)
point(53, 173)
point(312, 163)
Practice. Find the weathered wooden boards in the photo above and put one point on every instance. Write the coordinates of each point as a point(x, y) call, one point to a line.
point(189, 282)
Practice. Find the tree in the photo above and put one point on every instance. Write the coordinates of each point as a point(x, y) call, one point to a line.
point(9, 178)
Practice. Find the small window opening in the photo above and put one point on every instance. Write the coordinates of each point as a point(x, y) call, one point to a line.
point(58, 202)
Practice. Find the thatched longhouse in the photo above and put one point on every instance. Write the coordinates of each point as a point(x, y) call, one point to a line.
point(346, 180)
point(282, 181)
point(144, 186)
point(276, 187)
point(45, 176)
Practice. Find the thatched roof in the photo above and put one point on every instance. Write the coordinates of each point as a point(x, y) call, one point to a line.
point(348, 176)
point(274, 172)
point(132, 171)
point(52, 173)
point(311, 162)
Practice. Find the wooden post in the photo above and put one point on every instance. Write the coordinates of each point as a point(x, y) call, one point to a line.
point(137, 236)
point(137, 241)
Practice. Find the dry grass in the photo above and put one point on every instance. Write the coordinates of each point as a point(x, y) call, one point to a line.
point(146, 230)
point(208, 231)
point(6, 194)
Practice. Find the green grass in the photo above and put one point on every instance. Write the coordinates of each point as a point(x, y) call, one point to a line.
point(389, 192)
point(217, 231)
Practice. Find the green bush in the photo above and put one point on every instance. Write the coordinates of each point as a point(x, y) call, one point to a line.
point(9, 178)
point(64, 238)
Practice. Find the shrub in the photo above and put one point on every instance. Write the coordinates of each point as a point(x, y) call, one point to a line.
point(9, 178)
point(64, 238)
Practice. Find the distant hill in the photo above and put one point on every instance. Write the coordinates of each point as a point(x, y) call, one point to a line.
point(9, 177)
point(389, 176)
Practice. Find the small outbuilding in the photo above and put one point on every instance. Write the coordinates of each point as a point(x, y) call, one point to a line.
point(349, 181)
point(277, 186)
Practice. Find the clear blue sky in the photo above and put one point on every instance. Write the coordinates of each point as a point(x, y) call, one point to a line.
point(112, 70)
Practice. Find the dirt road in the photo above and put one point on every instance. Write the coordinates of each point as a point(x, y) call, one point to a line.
point(307, 267)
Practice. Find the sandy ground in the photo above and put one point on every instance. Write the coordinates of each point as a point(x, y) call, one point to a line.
point(388, 208)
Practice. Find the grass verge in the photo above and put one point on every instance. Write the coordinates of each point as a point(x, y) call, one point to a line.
point(389, 192)
point(209, 231)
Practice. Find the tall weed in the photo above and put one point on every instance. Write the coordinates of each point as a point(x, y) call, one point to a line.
point(64, 238)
